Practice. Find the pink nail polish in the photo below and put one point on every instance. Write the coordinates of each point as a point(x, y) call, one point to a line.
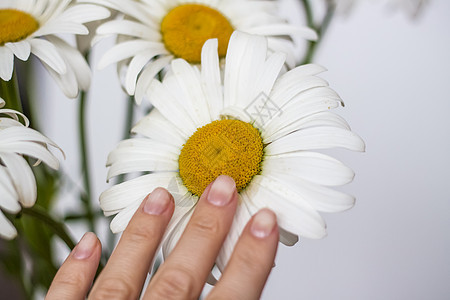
point(263, 223)
point(222, 190)
point(85, 246)
point(157, 202)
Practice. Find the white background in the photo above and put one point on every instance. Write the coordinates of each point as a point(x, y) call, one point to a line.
point(393, 74)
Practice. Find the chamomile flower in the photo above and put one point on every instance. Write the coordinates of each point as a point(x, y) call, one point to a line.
point(250, 124)
point(17, 182)
point(153, 33)
point(32, 27)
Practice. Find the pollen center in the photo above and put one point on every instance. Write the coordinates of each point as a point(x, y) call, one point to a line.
point(15, 25)
point(187, 27)
point(225, 147)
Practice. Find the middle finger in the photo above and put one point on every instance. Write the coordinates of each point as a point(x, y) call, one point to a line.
point(184, 273)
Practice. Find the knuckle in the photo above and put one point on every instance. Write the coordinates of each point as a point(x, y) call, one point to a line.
point(71, 280)
point(175, 283)
point(140, 234)
point(208, 226)
point(113, 288)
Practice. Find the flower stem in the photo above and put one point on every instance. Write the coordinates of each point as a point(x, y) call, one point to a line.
point(86, 198)
point(57, 227)
point(320, 29)
point(127, 128)
point(9, 91)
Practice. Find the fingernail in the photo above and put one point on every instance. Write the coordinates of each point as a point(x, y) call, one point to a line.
point(222, 190)
point(157, 202)
point(85, 246)
point(263, 223)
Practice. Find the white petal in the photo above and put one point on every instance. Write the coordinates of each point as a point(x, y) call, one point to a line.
point(154, 126)
point(21, 49)
point(129, 28)
point(136, 65)
point(321, 198)
point(122, 195)
point(61, 27)
point(269, 74)
point(75, 62)
point(246, 55)
point(130, 162)
point(121, 220)
point(241, 217)
point(67, 82)
point(175, 229)
point(321, 137)
point(128, 49)
point(7, 230)
point(22, 177)
point(294, 214)
point(6, 63)
point(189, 82)
point(48, 54)
point(161, 98)
point(8, 201)
point(34, 150)
point(84, 13)
point(311, 166)
point(301, 106)
point(211, 80)
point(148, 75)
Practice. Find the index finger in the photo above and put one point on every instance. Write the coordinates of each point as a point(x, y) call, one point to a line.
point(126, 270)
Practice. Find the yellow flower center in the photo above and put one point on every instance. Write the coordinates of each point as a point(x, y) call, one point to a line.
point(187, 27)
point(15, 25)
point(225, 147)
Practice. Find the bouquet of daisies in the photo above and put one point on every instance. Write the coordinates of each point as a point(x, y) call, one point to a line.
point(224, 87)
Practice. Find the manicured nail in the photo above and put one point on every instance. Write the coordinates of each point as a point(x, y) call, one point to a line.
point(85, 246)
point(222, 190)
point(157, 202)
point(263, 223)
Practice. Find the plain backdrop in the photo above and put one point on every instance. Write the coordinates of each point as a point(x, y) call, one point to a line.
point(393, 74)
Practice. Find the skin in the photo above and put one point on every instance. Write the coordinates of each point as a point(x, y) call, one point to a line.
point(185, 271)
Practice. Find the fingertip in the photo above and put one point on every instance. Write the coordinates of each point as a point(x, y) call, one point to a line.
point(221, 191)
point(158, 201)
point(264, 223)
point(86, 246)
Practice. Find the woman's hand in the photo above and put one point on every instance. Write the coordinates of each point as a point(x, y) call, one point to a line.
point(184, 273)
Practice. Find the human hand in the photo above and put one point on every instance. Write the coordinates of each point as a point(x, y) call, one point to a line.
point(185, 271)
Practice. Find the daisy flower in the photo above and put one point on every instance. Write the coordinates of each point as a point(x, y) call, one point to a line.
point(17, 182)
point(32, 26)
point(153, 33)
point(249, 124)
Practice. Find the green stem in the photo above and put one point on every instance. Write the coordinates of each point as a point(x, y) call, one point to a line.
point(86, 198)
point(321, 29)
point(9, 91)
point(57, 227)
point(127, 128)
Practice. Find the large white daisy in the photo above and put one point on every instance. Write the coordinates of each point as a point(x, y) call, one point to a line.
point(251, 125)
point(32, 26)
point(155, 32)
point(17, 182)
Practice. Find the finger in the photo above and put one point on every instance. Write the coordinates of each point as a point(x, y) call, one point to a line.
point(184, 273)
point(74, 278)
point(126, 270)
point(252, 260)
